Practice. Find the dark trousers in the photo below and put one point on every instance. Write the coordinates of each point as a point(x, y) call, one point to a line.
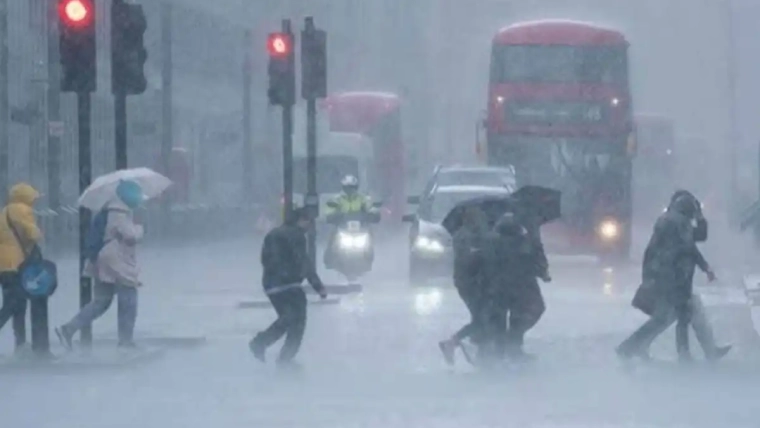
point(526, 307)
point(14, 306)
point(290, 306)
point(662, 317)
point(475, 305)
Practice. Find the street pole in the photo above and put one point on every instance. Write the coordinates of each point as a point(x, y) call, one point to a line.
point(312, 198)
point(247, 155)
point(53, 117)
point(4, 108)
point(85, 178)
point(120, 129)
point(734, 129)
point(287, 144)
point(167, 96)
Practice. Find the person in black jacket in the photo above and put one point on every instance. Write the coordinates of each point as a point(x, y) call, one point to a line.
point(514, 262)
point(694, 312)
point(469, 281)
point(286, 264)
point(667, 271)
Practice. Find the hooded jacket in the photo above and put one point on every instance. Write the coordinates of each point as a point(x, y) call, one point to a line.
point(513, 260)
point(670, 257)
point(19, 210)
point(285, 259)
point(117, 261)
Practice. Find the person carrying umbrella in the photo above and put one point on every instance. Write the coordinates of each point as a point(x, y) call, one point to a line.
point(512, 267)
point(114, 267)
point(18, 228)
point(469, 280)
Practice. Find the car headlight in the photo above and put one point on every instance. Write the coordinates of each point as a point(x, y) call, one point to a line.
point(353, 241)
point(609, 230)
point(428, 244)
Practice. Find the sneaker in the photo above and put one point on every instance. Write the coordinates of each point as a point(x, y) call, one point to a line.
point(719, 352)
point(258, 350)
point(22, 351)
point(127, 344)
point(521, 356)
point(65, 336)
point(447, 348)
point(685, 358)
point(289, 365)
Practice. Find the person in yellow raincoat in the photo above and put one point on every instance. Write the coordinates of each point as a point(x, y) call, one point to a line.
point(350, 201)
point(18, 215)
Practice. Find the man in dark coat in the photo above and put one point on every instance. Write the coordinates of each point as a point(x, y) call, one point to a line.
point(468, 244)
point(513, 264)
point(695, 313)
point(286, 264)
point(668, 259)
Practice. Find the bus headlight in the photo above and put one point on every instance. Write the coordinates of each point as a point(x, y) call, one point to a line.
point(609, 230)
point(429, 245)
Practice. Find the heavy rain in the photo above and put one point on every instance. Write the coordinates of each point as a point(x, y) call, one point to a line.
point(510, 166)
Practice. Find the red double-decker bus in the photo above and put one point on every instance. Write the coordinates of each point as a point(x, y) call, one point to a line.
point(560, 111)
point(654, 170)
point(377, 116)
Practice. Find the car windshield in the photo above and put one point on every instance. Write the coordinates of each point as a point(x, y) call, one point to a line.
point(563, 64)
point(442, 203)
point(330, 171)
point(475, 178)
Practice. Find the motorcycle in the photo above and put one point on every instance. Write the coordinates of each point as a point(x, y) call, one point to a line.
point(351, 250)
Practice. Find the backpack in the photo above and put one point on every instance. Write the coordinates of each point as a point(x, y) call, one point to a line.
point(95, 238)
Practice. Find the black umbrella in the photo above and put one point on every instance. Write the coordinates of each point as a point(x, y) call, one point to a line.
point(533, 204)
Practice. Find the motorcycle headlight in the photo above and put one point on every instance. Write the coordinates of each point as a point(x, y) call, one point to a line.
point(353, 241)
point(609, 230)
point(428, 244)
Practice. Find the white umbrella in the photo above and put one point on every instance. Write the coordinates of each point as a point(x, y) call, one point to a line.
point(103, 189)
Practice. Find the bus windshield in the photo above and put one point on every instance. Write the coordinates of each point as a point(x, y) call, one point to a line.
point(330, 171)
point(559, 64)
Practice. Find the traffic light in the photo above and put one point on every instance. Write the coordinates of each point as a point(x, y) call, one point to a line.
point(282, 76)
point(314, 64)
point(128, 53)
point(77, 45)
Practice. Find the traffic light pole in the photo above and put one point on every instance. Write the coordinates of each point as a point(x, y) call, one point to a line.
point(312, 198)
point(287, 143)
point(313, 85)
point(85, 178)
point(287, 158)
point(54, 116)
point(167, 97)
point(247, 155)
point(120, 129)
point(4, 104)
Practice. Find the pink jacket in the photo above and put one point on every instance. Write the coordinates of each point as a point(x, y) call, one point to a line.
point(117, 261)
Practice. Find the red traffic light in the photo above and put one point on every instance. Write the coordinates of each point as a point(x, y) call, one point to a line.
point(279, 44)
point(76, 12)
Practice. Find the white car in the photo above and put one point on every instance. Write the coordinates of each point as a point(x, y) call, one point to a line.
point(430, 254)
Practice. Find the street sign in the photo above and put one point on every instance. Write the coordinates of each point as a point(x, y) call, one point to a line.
point(55, 129)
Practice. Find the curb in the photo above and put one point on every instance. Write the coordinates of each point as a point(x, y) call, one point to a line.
point(80, 361)
point(260, 304)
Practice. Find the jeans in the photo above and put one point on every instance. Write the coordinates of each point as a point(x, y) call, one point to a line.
point(474, 329)
point(104, 294)
point(290, 306)
point(662, 317)
point(701, 325)
point(14, 306)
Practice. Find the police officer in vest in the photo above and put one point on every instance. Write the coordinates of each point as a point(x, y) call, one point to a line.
point(350, 201)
